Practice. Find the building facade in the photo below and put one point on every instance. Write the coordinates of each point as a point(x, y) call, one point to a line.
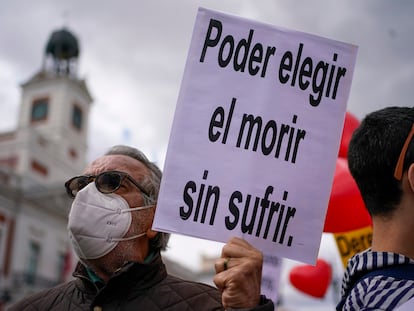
point(48, 146)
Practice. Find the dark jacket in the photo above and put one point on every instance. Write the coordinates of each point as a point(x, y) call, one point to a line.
point(145, 287)
point(379, 291)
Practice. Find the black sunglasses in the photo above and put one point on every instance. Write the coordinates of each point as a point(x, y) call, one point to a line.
point(105, 182)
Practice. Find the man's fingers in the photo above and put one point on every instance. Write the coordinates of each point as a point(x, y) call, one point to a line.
point(241, 242)
point(220, 281)
point(238, 274)
point(240, 286)
point(223, 264)
point(238, 248)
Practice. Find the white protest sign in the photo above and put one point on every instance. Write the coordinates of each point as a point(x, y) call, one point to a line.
point(255, 136)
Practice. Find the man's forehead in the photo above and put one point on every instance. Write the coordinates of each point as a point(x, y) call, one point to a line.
point(115, 162)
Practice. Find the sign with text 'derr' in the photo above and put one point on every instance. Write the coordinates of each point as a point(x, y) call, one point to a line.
point(255, 136)
point(353, 242)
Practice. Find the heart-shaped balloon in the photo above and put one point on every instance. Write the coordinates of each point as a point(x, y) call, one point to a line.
point(350, 124)
point(346, 209)
point(312, 280)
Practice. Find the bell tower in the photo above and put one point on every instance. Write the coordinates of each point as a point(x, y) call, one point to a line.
point(62, 50)
point(51, 138)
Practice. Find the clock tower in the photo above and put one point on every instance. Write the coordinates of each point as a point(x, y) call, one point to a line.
point(50, 143)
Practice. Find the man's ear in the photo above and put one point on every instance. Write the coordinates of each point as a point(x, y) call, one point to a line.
point(410, 176)
point(151, 233)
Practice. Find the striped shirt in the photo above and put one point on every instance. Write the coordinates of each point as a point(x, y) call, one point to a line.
point(377, 292)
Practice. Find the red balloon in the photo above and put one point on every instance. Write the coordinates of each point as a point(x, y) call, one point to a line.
point(312, 280)
point(346, 209)
point(350, 124)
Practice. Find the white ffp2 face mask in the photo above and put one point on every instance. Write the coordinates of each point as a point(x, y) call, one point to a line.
point(98, 222)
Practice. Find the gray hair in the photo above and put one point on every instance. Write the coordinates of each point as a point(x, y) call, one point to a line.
point(151, 183)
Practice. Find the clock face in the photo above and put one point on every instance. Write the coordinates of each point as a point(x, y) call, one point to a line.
point(40, 109)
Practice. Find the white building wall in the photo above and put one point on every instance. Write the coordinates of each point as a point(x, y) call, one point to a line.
point(50, 142)
point(38, 207)
point(49, 233)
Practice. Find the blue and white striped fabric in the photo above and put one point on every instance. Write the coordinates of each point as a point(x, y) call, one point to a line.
point(376, 292)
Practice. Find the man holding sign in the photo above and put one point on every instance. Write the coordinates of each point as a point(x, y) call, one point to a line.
point(381, 159)
point(120, 263)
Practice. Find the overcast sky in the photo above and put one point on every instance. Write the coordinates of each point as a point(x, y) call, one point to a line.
point(133, 55)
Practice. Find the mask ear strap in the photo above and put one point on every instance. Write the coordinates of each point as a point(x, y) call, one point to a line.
point(128, 238)
point(139, 208)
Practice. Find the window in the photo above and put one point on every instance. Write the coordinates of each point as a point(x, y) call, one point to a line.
point(77, 117)
point(39, 168)
point(73, 154)
point(34, 254)
point(40, 109)
point(10, 161)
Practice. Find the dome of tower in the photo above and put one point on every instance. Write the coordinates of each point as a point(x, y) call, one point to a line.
point(63, 45)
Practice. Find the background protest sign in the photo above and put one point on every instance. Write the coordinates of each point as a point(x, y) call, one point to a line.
point(255, 135)
point(351, 242)
point(271, 272)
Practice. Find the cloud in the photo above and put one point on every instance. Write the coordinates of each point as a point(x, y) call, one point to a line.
point(133, 54)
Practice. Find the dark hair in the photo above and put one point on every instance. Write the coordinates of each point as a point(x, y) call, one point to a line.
point(373, 154)
point(151, 183)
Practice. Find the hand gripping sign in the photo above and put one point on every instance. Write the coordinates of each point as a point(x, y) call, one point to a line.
point(255, 135)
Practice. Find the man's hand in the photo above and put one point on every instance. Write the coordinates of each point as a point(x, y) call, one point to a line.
point(239, 274)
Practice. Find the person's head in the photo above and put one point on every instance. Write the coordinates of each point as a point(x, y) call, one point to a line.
point(374, 152)
point(114, 205)
point(151, 182)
